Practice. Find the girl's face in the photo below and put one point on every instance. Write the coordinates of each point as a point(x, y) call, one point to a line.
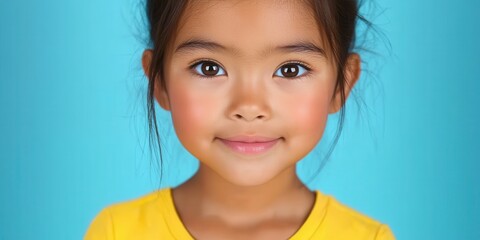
point(251, 68)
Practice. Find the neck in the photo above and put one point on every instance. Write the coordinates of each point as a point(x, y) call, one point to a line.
point(285, 196)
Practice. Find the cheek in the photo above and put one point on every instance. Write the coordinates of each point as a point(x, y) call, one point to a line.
point(192, 113)
point(308, 112)
point(311, 112)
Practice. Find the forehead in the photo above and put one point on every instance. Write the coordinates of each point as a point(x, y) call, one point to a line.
point(249, 26)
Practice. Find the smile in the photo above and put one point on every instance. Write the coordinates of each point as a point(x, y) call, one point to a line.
point(249, 148)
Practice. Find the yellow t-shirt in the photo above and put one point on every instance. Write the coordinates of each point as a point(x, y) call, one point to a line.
point(153, 216)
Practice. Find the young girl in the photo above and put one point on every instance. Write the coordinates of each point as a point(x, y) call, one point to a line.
point(249, 85)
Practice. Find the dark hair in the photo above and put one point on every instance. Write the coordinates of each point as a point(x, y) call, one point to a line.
point(337, 20)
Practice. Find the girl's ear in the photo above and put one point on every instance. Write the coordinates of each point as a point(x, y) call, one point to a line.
point(352, 74)
point(159, 93)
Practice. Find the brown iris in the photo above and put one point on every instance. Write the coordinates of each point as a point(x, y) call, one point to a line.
point(290, 70)
point(210, 68)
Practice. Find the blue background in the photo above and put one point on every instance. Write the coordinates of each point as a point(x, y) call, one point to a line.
point(73, 136)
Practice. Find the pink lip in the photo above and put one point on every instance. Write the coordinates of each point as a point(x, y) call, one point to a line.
point(250, 139)
point(250, 144)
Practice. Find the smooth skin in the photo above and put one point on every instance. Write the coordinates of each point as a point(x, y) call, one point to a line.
point(234, 196)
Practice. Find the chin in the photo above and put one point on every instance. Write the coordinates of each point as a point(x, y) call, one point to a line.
point(245, 177)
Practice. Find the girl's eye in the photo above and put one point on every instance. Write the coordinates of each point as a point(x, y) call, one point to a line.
point(291, 70)
point(208, 69)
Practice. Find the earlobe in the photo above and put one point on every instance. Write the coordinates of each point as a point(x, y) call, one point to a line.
point(352, 74)
point(160, 94)
point(146, 61)
point(162, 97)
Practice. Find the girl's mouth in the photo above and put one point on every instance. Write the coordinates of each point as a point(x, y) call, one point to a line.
point(250, 148)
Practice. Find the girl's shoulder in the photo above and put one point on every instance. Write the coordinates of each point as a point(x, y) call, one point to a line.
point(134, 208)
point(339, 221)
point(145, 217)
point(144, 201)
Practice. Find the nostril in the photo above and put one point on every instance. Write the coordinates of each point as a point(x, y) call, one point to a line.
point(240, 116)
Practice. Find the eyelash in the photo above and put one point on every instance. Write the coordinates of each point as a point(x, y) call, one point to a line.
point(196, 63)
point(301, 64)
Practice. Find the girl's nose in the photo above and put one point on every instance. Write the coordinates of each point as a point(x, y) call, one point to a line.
point(249, 102)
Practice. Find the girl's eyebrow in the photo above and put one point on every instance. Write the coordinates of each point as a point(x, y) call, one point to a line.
point(199, 44)
point(297, 47)
point(302, 47)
